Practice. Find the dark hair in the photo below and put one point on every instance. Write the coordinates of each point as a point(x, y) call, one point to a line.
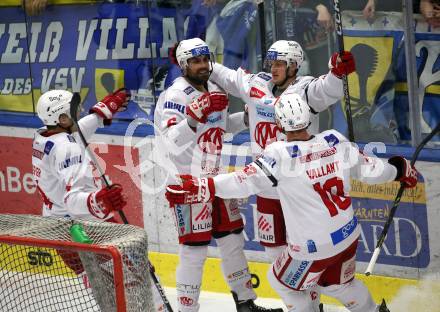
point(172, 54)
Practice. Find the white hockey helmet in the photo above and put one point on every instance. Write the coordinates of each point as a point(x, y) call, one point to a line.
point(191, 48)
point(292, 112)
point(284, 50)
point(52, 104)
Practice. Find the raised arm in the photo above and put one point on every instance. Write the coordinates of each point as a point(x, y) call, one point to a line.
point(373, 170)
point(326, 90)
point(102, 112)
point(234, 82)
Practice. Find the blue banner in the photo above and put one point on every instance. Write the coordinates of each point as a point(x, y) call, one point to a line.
point(94, 51)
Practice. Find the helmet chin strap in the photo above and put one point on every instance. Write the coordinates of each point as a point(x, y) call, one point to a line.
point(67, 129)
point(278, 86)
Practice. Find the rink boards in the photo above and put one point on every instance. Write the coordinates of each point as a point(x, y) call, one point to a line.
point(412, 248)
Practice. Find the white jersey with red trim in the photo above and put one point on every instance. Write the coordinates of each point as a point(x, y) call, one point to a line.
point(190, 152)
point(63, 172)
point(256, 90)
point(312, 179)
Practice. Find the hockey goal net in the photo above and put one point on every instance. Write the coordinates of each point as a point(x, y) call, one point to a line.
point(42, 269)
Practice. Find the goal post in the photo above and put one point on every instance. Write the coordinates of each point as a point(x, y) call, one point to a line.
point(42, 269)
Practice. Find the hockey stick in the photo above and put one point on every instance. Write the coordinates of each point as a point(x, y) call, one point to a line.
point(339, 34)
point(262, 25)
point(74, 105)
point(396, 203)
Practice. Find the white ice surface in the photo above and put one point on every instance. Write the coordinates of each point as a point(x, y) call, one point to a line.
point(221, 302)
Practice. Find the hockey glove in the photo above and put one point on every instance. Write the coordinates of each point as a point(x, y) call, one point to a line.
point(405, 172)
point(106, 200)
point(200, 108)
point(111, 104)
point(192, 190)
point(342, 64)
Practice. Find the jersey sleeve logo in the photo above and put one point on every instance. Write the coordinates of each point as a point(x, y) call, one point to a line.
point(48, 147)
point(269, 161)
point(38, 154)
point(71, 138)
point(68, 162)
point(256, 93)
point(331, 139)
point(174, 106)
point(211, 141)
point(266, 133)
point(171, 122)
point(264, 76)
point(189, 90)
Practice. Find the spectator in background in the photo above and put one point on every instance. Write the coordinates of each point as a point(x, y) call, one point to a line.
point(430, 9)
point(310, 23)
point(237, 24)
point(34, 7)
point(369, 7)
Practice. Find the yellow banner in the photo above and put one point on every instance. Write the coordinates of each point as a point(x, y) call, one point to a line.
point(388, 191)
point(16, 258)
point(24, 102)
point(375, 54)
point(51, 2)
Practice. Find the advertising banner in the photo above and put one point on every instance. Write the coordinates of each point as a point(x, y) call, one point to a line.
point(106, 46)
point(18, 191)
point(378, 89)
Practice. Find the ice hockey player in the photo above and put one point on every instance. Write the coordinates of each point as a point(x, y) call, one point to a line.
point(62, 171)
point(192, 115)
point(312, 176)
point(259, 91)
point(65, 176)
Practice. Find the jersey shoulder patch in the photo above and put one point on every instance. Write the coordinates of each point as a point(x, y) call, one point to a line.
point(48, 147)
point(293, 151)
point(264, 76)
point(333, 137)
point(189, 90)
point(71, 138)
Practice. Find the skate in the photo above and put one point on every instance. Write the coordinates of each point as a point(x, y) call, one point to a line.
point(383, 307)
point(249, 306)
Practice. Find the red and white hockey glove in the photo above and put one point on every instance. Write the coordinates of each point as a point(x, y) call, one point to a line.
point(112, 103)
point(200, 108)
point(106, 200)
point(405, 172)
point(342, 64)
point(192, 190)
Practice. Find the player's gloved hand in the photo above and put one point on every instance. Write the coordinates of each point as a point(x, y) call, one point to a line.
point(342, 64)
point(200, 108)
point(112, 103)
point(192, 190)
point(405, 172)
point(106, 200)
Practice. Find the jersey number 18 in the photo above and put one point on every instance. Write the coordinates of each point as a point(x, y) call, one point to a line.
point(333, 200)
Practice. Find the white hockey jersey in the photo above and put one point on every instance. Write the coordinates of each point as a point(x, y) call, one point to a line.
point(256, 90)
point(63, 171)
point(189, 152)
point(313, 181)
